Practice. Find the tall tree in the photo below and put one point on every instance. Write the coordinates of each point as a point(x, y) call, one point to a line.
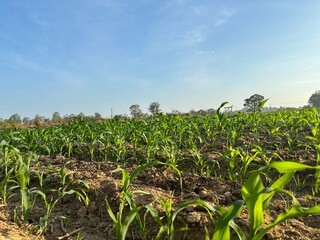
point(135, 110)
point(154, 108)
point(97, 116)
point(56, 117)
point(314, 100)
point(38, 120)
point(26, 120)
point(252, 103)
point(15, 118)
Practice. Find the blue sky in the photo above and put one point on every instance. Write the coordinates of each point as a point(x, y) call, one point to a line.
point(88, 56)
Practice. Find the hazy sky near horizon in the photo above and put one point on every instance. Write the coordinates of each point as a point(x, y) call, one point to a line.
point(88, 56)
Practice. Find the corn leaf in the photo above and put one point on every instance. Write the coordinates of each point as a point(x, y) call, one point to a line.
point(278, 184)
point(126, 223)
point(295, 211)
point(251, 193)
point(222, 228)
point(288, 166)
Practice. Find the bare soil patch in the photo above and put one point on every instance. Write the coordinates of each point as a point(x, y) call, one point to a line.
point(94, 223)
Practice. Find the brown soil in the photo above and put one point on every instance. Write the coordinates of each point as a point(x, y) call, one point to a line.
point(93, 222)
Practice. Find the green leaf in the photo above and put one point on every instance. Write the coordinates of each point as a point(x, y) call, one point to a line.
point(222, 228)
point(126, 223)
point(111, 214)
point(254, 200)
point(42, 224)
point(154, 214)
point(278, 184)
point(294, 212)
point(140, 169)
point(199, 202)
point(288, 166)
point(206, 233)
point(238, 230)
point(221, 106)
point(262, 103)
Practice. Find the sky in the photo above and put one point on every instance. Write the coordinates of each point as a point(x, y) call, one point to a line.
point(72, 56)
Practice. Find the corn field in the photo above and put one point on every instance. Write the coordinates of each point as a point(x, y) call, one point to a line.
point(268, 165)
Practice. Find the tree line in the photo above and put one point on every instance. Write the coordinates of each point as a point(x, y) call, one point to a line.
point(253, 103)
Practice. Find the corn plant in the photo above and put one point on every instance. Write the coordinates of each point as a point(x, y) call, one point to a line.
point(49, 205)
point(7, 186)
point(9, 155)
point(167, 226)
point(257, 199)
point(23, 179)
point(67, 187)
point(221, 117)
point(126, 198)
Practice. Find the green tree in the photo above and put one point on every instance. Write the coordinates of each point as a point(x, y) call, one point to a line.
point(314, 100)
point(135, 110)
point(26, 120)
point(56, 117)
point(154, 108)
point(38, 120)
point(252, 103)
point(211, 111)
point(15, 118)
point(97, 116)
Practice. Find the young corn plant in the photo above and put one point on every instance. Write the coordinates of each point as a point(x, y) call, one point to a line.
point(9, 155)
point(49, 205)
point(23, 179)
point(65, 190)
point(257, 199)
point(7, 186)
point(126, 199)
point(167, 227)
point(221, 117)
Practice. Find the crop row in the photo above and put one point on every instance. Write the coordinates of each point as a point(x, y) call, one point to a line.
point(247, 145)
point(142, 140)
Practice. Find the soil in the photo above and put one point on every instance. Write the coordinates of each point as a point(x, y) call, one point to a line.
point(93, 222)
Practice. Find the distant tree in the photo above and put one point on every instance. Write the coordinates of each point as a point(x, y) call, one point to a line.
point(135, 111)
point(314, 100)
point(56, 117)
point(15, 118)
point(45, 119)
point(192, 111)
point(175, 112)
point(120, 116)
point(211, 111)
point(26, 120)
point(252, 103)
point(80, 117)
point(154, 108)
point(202, 112)
point(66, 117)
point(97, 116)
point(38, 120)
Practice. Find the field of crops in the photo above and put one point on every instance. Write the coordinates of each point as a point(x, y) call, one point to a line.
point(223, 176)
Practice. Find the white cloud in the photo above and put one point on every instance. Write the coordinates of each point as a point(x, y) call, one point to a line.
point(226, 12)
point(223, 17)
point(186, 24)
point(190, 38)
